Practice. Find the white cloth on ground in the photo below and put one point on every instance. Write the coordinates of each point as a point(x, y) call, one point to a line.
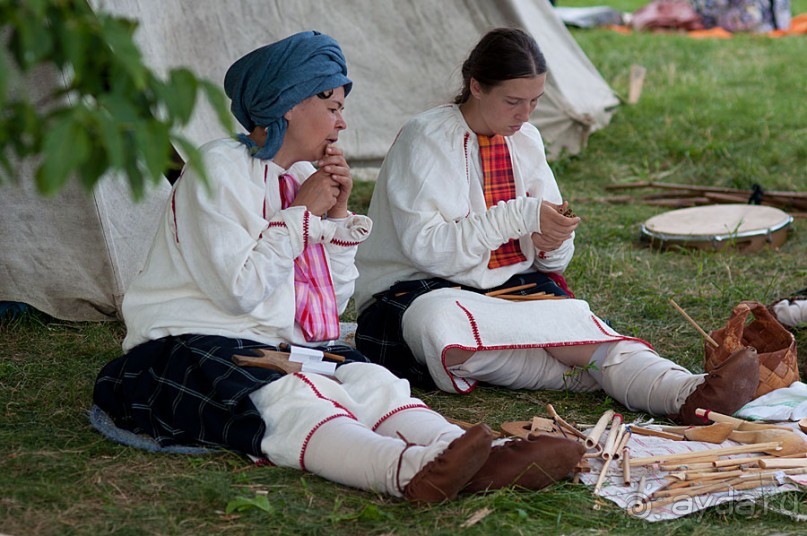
point(784, 404)
point(338, 429)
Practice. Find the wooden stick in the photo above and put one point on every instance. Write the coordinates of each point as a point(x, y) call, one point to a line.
point(685, 466)
point(594, 437)
point(783, 463)
point(714, 488)
point(601, 478)
point(510, 290)
point(716, 453)
point(467, 425)
point(610, 441)
point(694, 188)
point(656, 433)
point(626, 466)
point(563, 424)
point(622, 441)
point(740, 424)
point(705, 335)
point(530, 297)
point(665, 483)
point(741, 461)
point(636, 79)
point(739, 483)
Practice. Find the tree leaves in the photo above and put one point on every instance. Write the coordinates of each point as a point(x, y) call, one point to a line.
point(112, 114)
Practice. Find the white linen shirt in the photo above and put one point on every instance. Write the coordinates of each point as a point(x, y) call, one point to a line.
point(429, 211)
point(222, 262)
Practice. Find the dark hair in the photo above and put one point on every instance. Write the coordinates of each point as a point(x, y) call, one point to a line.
point(325, 94)
point(502, 54)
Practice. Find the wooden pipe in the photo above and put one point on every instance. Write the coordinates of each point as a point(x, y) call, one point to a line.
point(739, 423)
point(713, 433)
point(594, 437)
point(701, 455)
point(791, 443)
point(657, 433)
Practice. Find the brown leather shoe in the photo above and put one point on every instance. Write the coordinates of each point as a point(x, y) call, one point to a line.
point(443, 477)
point(728, 387)
point(532, 464)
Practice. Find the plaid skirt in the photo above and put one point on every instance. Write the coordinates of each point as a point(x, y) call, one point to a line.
point(379, 334)
point(186, 390)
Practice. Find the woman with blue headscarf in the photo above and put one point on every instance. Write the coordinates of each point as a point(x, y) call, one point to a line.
point(260, 258)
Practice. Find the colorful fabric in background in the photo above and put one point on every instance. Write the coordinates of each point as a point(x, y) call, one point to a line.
point(756, 16)
point(716, 19)
point(316, 310)
point(500, 185)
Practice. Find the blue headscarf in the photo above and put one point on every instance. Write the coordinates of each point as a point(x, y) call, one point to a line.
point(270, 81)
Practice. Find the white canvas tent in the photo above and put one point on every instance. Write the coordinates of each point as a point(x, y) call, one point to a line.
point(73, 256)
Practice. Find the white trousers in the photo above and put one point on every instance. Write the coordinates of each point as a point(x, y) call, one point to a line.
point(511, 345)
point(364, 430)
point(630, 372)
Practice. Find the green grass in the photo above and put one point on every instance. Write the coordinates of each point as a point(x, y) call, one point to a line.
point(725, 113)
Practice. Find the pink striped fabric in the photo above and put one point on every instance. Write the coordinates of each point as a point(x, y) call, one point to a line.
point(316, 311)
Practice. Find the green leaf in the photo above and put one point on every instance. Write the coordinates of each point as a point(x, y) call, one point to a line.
point(117, 33)
point(219, 102)
point(111, 138)
point(73, 39)
point(32, 40)
point(153, 141)
point(65, 147)
point(242, 504)
point(183, 85)
point(94, 166)
point(193, 158)
point(5, 68)
point(120, 109)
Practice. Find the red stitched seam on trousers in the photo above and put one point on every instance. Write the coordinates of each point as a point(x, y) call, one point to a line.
point(396, 411)
point(311, 433)
point(474, 326)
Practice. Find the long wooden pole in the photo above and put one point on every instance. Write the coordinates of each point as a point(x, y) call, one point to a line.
point(708, 453)
point(705, 335)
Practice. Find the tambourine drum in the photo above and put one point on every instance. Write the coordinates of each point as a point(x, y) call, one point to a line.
point(747, 228)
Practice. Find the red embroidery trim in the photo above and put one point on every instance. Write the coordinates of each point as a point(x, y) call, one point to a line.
point(305, 229)
point(396, 411)
point(174, 213)
point(619, 337)
point(277, 224)
point(465, 149)
point(265, 175)
point(311, 433)
point(313, 387)
point(344, 243)
point(474, 326)
point(467, 386)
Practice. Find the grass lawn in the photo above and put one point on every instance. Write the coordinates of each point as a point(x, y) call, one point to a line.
point(712, 112)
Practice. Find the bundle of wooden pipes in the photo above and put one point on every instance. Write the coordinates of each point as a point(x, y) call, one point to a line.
point(772, 452)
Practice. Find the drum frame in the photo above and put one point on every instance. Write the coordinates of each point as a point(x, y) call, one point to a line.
point(747, 241)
